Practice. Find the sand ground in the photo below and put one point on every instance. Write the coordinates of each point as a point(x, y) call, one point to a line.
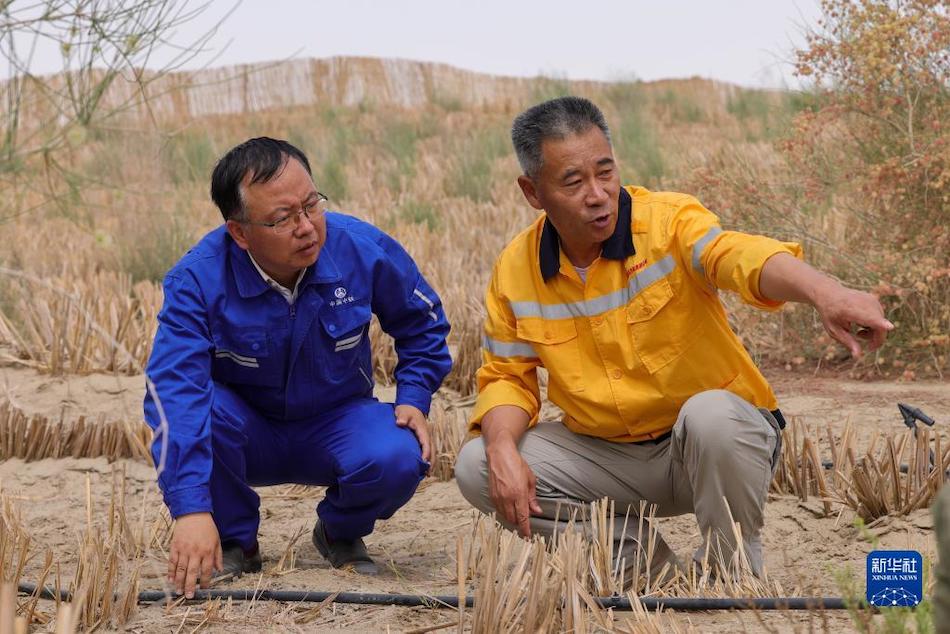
point(805, 552)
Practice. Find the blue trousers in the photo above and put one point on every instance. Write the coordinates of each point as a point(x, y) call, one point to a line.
point(370, 465)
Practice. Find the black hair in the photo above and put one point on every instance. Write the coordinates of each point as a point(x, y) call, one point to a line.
point(553, 119)
point(263, 158)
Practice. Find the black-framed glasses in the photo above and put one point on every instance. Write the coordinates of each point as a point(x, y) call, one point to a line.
point(291, 221)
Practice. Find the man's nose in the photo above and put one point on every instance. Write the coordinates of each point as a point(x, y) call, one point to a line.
point(304, 224)
point(596, 194)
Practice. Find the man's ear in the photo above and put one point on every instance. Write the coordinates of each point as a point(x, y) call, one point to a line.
point(529, 191)
point(238, 233)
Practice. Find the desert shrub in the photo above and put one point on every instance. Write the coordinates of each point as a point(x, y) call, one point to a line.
point(864, 177)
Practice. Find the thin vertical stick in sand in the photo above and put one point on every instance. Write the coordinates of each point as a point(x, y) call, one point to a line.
point(460, 574)
point(88, 503)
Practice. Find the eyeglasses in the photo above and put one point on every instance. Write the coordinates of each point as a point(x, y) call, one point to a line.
point(291, 221)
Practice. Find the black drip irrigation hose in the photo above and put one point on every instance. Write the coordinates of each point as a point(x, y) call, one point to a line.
point(448, 601)
point(829, 465)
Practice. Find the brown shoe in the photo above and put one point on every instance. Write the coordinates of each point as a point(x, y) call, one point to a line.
point(344, 554)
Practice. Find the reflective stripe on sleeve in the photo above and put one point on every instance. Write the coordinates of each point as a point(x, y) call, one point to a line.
point(508, 349)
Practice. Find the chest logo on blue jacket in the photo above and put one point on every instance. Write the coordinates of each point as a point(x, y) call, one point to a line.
point(341, 297)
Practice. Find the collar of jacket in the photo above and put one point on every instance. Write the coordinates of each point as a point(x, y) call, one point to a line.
point(250, 283)
point(617, 247)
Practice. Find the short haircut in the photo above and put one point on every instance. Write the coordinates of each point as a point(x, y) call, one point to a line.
point(263, 158)
point(554, 119)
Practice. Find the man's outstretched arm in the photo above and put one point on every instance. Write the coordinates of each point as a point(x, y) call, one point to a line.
point(845, 312)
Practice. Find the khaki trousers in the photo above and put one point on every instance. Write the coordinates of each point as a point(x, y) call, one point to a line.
point(722, 450)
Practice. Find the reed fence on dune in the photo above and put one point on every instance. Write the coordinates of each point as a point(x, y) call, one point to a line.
point(896, 474)
point(37, 437)
point(99, 322)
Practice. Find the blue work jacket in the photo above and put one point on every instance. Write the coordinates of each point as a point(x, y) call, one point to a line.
point(221, 322)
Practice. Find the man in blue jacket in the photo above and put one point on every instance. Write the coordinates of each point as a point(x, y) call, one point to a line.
point(261, 371)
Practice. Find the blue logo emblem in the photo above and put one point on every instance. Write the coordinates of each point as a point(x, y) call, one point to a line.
point(895, 578)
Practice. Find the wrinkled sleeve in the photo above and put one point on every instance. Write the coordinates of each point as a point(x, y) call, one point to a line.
point(728, 260)
point(411, 312)
point(509, 371)
point(178, 398)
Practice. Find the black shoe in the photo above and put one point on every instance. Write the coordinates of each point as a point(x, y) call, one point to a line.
point(237, 562)
point(342, 554)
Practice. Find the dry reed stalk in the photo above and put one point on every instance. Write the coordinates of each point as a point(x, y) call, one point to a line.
point(31, 608)
point(644, 578)
point(308, 615)
point(294, 492)
point(66, 620)
point(132, 541)
point(160, 533)
point(15, 546)
point(288, 559)
point(101, 594)
point(98, 323)
point(813, 460)
point(645, 622)
point(877, 488)
point(842, 455)
point(15, 542)
point(504, 582)
point(448, 430)
point(534, 586)
point(38, 437)
point(606, 565)
point(788, 474)
point(460, 577)
point(8, 608)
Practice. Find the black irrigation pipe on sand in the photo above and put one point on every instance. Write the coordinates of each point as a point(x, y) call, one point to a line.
point(829, 465)
point(451, 601)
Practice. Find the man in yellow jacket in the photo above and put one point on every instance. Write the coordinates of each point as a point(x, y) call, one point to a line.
point(614, 291)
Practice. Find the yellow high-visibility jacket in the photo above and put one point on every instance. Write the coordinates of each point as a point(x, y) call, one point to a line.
point(646, 332)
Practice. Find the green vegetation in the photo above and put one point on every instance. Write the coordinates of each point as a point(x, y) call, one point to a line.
point(680, 108)
point(189, 156)
point(474, 157)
